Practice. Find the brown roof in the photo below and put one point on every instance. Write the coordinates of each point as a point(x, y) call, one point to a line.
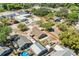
point(36, 32)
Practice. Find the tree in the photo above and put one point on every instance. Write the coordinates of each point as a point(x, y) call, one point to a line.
point(50, 15)
point(73, 7)
point(46, 25)
point(26, 6)
point(62, 12)
point(4, 20)
point(53, 5)
point(15, 6)
point(2, 37)
point(63, 26)
point(70, 38)
point(48, 5)
point(72, 17)
point(10, 6)
point(41, 11)
point(2, 9)
point(33, 10)
point(22, 26)
point(4, 32)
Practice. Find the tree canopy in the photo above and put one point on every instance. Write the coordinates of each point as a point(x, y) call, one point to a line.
point(62, 12)
point(46, 25)
point(73, 7)
point(70, 38)
point(4, 32)
point(22, 26)
point(41, 11)
point(10, 6)
point(49, 15)
point(2, 9)
point(73, 16)
point(63, 26)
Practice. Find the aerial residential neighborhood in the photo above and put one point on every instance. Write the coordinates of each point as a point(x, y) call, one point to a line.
point(39, 29)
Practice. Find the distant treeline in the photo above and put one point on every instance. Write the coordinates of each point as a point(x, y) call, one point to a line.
point(12, 6)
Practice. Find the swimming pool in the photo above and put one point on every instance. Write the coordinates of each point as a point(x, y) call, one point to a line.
point(24, 53)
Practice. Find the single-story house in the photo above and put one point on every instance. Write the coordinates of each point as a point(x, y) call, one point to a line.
point(4, 51)
point(11, 14)
point(38, 49)
point(22, 42)
point(37, 33)
point(61, 51)
point(8, 14)
point(21, 18)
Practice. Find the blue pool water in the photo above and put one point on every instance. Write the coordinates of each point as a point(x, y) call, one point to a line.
point(24, 53)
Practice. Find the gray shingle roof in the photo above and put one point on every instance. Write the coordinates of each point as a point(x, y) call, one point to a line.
point(3, 49)
point(22, 41)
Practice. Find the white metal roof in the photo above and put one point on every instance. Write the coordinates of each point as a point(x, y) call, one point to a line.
point(37, 48)
point(20, 17)
point(61, 51)
point(6, 13)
